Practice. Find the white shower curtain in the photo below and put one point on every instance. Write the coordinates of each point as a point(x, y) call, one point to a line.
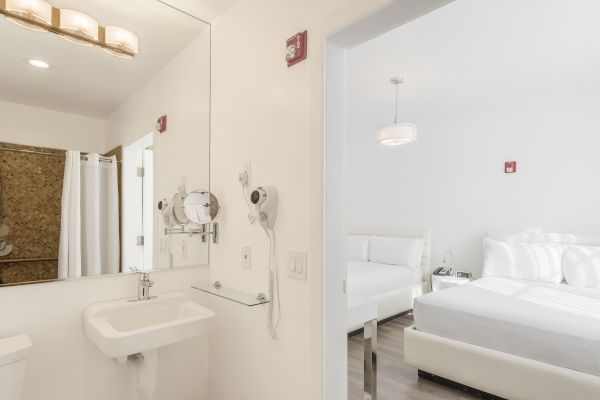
point(89, 232)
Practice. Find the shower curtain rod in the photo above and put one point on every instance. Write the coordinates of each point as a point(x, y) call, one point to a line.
point(42, 153)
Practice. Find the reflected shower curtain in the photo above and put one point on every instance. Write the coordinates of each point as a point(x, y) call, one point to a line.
point(89, 231)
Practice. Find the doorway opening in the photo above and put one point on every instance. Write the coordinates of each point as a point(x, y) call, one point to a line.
point(138, 204)
point(338, 48)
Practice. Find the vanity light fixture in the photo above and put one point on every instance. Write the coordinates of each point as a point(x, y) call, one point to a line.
point(121, 39)
point(398, 133)
point(39, 64)
point(24, 12)
point(72, 25)
point(78, 27)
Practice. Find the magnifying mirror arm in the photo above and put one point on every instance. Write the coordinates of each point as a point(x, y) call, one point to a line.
point(203, 231)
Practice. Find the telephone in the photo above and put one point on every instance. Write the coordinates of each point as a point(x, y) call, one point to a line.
point(443, 271)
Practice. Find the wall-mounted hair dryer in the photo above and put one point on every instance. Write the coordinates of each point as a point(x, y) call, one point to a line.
point(263, 208)
point(264, 199)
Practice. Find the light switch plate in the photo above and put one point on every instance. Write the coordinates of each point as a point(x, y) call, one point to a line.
point(246, 259)
point(297, 264)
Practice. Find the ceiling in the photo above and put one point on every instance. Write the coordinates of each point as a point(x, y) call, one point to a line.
point(88, 81)
point(477, 55)
point(208, 10)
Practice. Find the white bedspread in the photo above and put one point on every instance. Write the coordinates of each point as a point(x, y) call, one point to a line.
point(368, 279)
point(553, 323)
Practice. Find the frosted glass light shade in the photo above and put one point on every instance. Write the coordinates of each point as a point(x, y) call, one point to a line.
point(33, 10)
point(78, 24)
point(397, 134)
point(121, 39)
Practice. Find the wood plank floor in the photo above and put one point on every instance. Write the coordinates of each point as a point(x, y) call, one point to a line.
point(396, 380)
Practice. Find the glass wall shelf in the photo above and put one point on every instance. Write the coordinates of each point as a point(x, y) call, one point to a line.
point(236, 296)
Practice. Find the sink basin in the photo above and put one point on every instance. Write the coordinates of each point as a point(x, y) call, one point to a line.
point(123, 327)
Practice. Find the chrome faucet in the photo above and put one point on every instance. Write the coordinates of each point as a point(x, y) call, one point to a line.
point(144, 285)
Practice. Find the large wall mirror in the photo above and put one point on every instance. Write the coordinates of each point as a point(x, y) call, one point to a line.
point(93, 179)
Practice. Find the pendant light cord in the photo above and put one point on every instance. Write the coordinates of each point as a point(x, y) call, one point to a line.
point(396, 117)
point(396, 81)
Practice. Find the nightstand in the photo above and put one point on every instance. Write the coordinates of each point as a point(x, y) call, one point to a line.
point(439, 282)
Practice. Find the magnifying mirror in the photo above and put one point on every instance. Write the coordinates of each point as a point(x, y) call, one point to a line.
point(200, 207)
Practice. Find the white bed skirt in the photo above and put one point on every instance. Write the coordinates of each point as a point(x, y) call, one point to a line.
point(495, 372)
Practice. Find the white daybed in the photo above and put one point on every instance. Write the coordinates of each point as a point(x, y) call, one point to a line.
point(513, 338)
point(389, 270)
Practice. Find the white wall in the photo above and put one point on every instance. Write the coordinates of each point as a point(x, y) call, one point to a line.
point(271, 115)
point(65, 365)
point(34, 126)
point(481, 94)
point(181, 90)
point(335, 303)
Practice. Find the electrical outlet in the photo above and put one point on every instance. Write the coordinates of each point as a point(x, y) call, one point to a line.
point(245, 173)
point(184, 248)
point(246, 257)
point(297, 265)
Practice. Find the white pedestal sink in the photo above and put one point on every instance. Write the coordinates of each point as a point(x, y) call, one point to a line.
point(121, 328)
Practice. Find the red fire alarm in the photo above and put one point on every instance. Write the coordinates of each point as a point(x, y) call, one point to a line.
point(510, 167)
point(161, 124)
point(296, 50)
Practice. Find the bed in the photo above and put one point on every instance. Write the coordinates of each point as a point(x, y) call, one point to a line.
point(510, 337)
point(390, 270)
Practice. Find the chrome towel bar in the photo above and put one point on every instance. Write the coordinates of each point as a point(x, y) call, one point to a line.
point(23, 260)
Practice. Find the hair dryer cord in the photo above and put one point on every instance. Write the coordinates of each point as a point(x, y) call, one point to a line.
point(275, 303)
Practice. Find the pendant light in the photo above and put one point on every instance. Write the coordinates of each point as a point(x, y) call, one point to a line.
point(37, 11)
point(398, 133)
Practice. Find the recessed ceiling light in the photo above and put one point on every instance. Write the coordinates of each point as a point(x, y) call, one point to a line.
point(39, 64)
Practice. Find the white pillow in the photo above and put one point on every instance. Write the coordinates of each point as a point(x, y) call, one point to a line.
point(404, 251)
point(540, 262)
point(357, 247)
point(581, 266)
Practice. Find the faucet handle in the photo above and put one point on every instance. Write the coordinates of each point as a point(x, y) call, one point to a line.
point(145, 279)
point(144, 275)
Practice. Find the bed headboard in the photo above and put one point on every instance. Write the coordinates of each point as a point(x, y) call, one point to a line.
point(425, 257)
point(547, 237)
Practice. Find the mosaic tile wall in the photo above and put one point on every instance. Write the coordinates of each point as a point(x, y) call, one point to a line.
point(32, 188)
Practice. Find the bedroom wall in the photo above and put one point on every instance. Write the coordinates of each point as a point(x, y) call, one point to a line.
point(481, 95)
